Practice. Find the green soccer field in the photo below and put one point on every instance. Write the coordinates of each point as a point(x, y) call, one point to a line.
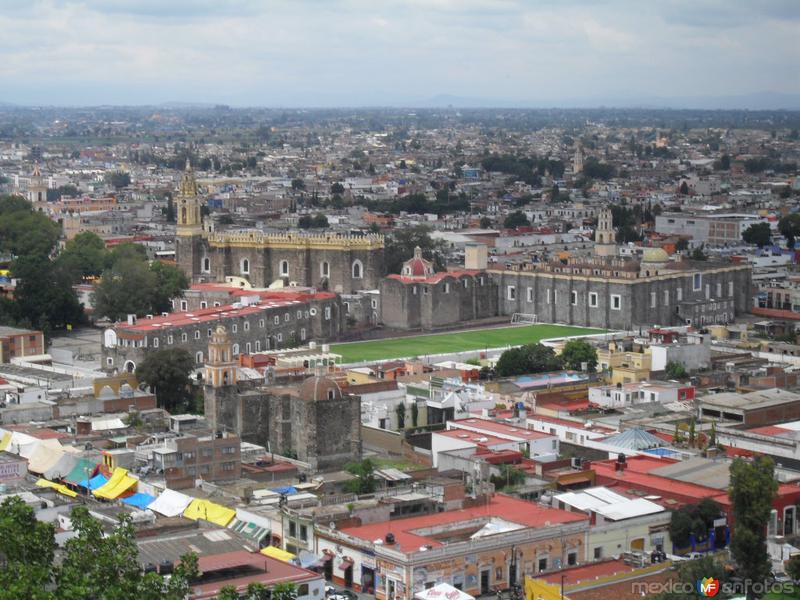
point(441, 343)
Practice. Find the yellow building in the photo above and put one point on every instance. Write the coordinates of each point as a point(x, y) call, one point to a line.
point(624, 366)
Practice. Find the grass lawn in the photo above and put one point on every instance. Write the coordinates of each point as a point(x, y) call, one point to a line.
point(440, 343)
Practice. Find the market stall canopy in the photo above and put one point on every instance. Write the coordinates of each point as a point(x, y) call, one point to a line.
point(170, 503)
point(45, 455)
point(209, 511)
point(59, 487)
point(63, 467)
point(276, 552)
point(119, 483)
point(95, 482)
point(84, 469)
point(442, 591)
point(139, 500)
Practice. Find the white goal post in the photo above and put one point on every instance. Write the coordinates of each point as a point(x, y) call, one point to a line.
point(523, 319)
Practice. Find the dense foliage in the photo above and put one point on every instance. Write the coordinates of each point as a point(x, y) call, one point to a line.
point(532, 358)
point(399, 247)
point(167, 374)
point(96, 564)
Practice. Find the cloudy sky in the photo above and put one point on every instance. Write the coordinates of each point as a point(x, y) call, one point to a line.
point(412, 52)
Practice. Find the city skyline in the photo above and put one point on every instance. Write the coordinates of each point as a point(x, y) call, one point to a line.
point(401, 53)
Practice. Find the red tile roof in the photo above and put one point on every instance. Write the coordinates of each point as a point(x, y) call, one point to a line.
point(435, 278)
point(497, 428)
point(272, 571)
point(511, 509)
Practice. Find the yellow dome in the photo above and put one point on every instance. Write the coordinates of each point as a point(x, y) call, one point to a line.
point(655, 255)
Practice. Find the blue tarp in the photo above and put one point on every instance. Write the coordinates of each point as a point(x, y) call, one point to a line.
point(139, 500)
point(94, 483)
point(284, 490)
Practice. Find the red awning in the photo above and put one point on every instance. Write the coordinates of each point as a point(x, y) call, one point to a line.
point(346, 564)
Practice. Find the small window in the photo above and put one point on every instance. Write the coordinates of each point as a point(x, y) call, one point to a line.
point(446, 288)
point(235, 349)
point(285, 268)
point(246, 325)
point(184, 305)
point(598, 553)
point(155, 342)
point(234, 328)
point(465, 283)
point(206, 264)
point(593, 299)
point(278, 337)
point(299, 314)
point(245, 267)
point(529, 294)
point(197, 334)
point(276, 320)
point(512, 292)
point(666, 297)
point(169, 339)
point(697, 282)
point(616, 302)
point(425, 290)
point(198, 358)
point(358, 269)
point(574, 298)
point(261, 323)
point(325, 269)
point(719, 290)
point(203, 304)
point(542, 564)
point(327, 313)
point(652, 299)
point(572, 559)
point(730, 289)
point(414, 290)
point(184, 337)
point(302, 334)
point(549, 293)
point(679, 294)
point(209, 333)
point(287, 317)
point(258, 345)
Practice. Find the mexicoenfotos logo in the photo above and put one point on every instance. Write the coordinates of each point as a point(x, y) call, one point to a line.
point(708, 587)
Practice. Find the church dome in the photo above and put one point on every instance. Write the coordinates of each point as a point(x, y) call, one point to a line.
point(417, 266)
point(655, 255)
point(316, 389)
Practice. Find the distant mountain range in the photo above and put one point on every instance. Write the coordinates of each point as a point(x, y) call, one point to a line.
point(753, 101)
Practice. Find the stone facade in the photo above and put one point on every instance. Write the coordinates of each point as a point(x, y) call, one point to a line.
point(327, 261)
point(438, 301)
point(264, 325)
point(604, 292)
point(623, 301)
point(322, 430)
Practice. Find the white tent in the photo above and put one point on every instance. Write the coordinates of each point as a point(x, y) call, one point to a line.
point(442, 591)
point(170, 503)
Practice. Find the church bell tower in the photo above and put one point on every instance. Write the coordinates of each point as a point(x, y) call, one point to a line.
point(189, 224)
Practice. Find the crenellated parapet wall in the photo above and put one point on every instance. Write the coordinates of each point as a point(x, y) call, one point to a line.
point(258, 239)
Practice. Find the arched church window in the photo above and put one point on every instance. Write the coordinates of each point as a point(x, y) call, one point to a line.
point(358, 269)
point(245, 266)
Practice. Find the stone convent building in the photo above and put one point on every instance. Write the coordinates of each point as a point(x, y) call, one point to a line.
point(326, 261)
point(315, 422)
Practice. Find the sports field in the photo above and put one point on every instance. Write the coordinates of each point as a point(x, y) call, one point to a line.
point(442, 343)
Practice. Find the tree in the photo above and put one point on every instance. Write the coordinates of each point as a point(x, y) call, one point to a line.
point(319, 221)
point(131, 286)
point(684, 188)
point(758, 234)
point(532, 358)
point(27, 547)
point(118, 179)
point(24, 232)
point(516, 219)
point(578, 352)
point(712, 438)
point(486, 223)
point(84, 256)
point(95, 565)
point(167, 374)
point(44, 296)
point(627, 234)
point(298, 184)
point(698, 254)
point(364, 483)
point(400, 409)
point(169, 213)
point(793, 567)
point(399, 247)
point(789, 226)
point(337, 188)
point(682, 244)
point(752, 490)
point(675, 370)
